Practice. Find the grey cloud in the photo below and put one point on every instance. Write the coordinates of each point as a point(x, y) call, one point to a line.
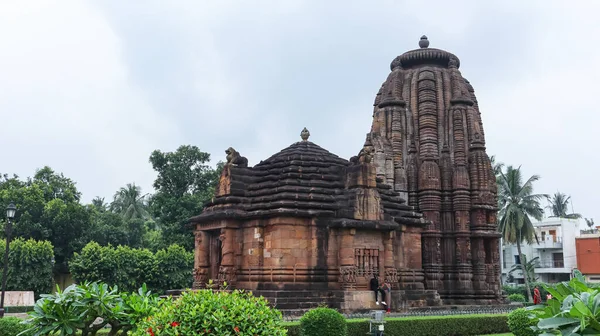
point(227, 73)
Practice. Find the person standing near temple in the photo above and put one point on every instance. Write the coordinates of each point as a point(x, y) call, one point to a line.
point(537, 297)
point(387, 294)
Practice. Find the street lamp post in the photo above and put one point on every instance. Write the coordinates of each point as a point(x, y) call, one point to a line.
point(10, 215)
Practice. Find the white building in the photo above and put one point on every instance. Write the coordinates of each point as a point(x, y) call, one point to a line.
point(556, 251)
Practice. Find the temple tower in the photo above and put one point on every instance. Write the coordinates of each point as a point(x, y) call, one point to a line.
point(429, 145)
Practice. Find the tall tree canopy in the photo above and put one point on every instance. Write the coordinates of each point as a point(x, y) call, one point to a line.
point(48, 209)
point(184, 183)
point(559, 206)
point(518, 204)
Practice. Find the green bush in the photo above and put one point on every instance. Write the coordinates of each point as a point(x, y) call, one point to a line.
point(128, 268)
point(78, 307)
point(11, 326)
point(221, 313)
point(464, 325)
point(573, 310)
point(517, 298)
point(520, 323)
point(323, 322)
point(30, 265)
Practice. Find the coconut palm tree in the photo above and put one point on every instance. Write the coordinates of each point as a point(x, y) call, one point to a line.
point(99, 204)
point(130, 203)
point(528, 265)
point(518, 204)
point(559, 205)
point(497, 166)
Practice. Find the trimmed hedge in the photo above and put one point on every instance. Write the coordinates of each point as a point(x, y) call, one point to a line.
point(11, 326)
point(18, 309)
point(128, 268)
point(323, 322)
point(457, 325)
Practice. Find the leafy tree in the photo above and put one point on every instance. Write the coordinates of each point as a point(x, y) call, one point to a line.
point(559, 206)
point(528, 265)
point(517, 204)
point(130, 203)
point(29, 265)
point(56, 186)
point(185, 182)
point(48, 209)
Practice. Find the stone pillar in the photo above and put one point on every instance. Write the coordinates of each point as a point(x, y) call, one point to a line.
point(479, 270)
point(227, 268)
point(347, 269)
point(390, 271)
point(461, 204)
point(201, 262)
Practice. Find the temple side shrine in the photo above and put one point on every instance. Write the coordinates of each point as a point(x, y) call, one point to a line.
point(416, 206)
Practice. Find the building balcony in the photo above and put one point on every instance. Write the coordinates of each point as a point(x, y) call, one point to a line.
point(549, 243)
point(550, 264)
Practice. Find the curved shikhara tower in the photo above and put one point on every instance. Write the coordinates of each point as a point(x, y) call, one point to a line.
point(428, 143)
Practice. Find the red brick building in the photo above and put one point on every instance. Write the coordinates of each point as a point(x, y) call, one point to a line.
point(588, 256)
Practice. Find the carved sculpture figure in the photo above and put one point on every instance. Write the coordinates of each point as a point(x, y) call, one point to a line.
point(235, 159)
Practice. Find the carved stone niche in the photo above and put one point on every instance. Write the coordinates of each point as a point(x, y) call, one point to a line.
point(348, 276)
point(226, 274)
point(391, 276)
point(200, 278)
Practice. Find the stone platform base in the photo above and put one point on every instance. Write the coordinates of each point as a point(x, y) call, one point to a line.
point(358, 301)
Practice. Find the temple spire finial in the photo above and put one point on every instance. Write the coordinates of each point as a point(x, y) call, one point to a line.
point(304, 134)
point(423, 42)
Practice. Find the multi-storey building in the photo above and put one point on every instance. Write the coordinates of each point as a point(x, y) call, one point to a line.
point(588, 253)
point(556, 251)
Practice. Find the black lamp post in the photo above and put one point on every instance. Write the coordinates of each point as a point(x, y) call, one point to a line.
point(10, 215)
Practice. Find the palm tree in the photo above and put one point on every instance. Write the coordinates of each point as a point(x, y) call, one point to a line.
point(496, 166)
point(589, 222)
point(98, 203)
point(559, 204)
point(130, 203)
point(517, 204)
point(529, 267)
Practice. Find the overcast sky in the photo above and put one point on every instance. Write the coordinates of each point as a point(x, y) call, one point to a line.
point(90, 88)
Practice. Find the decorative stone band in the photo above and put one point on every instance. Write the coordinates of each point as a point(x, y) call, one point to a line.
point(424, 56)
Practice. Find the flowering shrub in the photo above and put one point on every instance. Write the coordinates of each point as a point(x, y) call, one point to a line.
point(206, 312)
point(89, 307)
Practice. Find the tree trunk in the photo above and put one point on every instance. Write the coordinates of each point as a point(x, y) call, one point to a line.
point(525, 277)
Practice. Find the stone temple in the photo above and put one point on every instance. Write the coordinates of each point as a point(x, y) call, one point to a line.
point(417, 205)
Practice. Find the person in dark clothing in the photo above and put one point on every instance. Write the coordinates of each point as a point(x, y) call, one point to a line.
point(374, 286)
